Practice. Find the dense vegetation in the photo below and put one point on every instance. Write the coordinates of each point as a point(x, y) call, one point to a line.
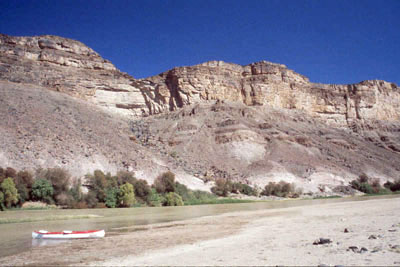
point(372, 186)
point(281, 189)
point(54, 186)
point(223, 187)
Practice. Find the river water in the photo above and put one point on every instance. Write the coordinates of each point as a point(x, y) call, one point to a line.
point(17, 236)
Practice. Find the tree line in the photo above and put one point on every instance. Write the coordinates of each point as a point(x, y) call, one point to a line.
point(55, 186)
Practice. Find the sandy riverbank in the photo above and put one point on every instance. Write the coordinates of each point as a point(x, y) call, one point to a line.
point(268, 237)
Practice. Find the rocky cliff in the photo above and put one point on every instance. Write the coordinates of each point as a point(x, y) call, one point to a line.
point(71, 67)
point(259, 144)
point(64, 105)
point(274, 85)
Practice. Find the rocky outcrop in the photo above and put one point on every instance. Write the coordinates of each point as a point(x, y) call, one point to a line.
point(256, 123)
point(265, 83)
point(259, 144)
point(253, 84)
point(70, 67)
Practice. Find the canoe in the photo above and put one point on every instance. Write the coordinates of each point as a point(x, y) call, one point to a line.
point(42, 234)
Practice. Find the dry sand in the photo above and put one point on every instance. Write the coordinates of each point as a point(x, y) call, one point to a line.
point(268, 237)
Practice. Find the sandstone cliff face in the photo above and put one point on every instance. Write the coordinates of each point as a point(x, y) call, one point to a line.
point(71, 67)
point(257, 123)
point(274, 85)
point(259, 144)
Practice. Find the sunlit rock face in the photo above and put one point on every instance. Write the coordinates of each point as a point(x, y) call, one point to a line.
point(70, 67)
point(256, 123)
point(274, 85)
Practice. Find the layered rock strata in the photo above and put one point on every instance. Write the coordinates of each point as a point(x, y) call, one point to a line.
point(256, 123)
point(71, 67)
point(265, 83)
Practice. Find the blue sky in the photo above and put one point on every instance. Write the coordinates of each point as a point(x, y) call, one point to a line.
point(327, 41)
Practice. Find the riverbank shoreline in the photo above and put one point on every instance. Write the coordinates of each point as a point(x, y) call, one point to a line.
point(282, 236)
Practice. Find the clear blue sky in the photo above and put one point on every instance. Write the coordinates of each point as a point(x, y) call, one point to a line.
point(328, 41)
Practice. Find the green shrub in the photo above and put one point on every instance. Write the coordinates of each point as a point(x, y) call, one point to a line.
point(10, 192)
point(201, 197)
point(26, 178)
point(393, 186)
point(190, 197)
point(23, 193)
point(124, 177)
point(368, 186)
point(165, 183)
point(376, 186)
point(271, 189)
point(185, 193)
point(42, 190)
point(286, 188)
point(248, 190)
point(243, 189)
point(235, 188)
point(355, 184)
point(59, 179)
point(222, 187)
point(112, 181)
point(126, 195)
point(64, 199)
point(76, 190)
point(98, 184)
point(23, 183)
point(91, 200)
point(362, 184)
point(384, 191)
point(2, 207)
point(155, 199)
point(173, 199)
point(142, 190)
point(281, 189)
point(111, 197)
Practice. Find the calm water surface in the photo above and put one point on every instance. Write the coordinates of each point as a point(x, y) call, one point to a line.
point(17, 237)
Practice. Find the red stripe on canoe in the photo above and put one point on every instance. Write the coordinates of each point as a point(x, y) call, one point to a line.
point(72, 232)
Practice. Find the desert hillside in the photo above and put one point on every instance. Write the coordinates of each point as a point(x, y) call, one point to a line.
point(63, 105)
point(262, 144)
point(42, 128)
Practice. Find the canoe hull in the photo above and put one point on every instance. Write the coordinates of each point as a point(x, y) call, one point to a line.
point(68, 234)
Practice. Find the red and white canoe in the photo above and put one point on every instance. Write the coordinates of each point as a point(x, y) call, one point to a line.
point(42, 234)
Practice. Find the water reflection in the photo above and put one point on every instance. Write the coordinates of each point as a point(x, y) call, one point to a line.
point(47, 242)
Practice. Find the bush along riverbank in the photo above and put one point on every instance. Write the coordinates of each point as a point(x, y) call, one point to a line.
point(56, 188)
point(371, 186)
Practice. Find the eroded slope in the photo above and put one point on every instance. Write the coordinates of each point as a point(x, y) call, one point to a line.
point(41, 128)
point(261, 144)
